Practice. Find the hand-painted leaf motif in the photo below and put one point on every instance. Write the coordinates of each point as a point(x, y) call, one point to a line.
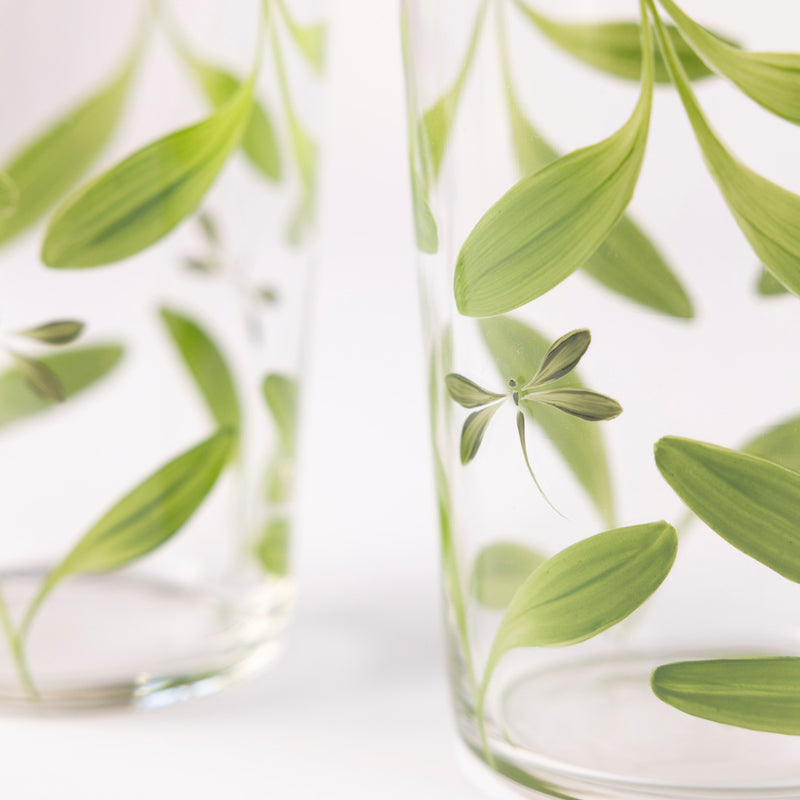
point(472, 433)
point(517, 350)
point(58, 332)
point(467, 393)
point(762, 694)
point(752, 503)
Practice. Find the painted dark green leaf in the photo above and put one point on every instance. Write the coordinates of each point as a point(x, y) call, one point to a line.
point(141, 199)
point(752, 503)
point(762, 694)
point(145, 519)
point(561, 358)
point(58, 332)
point(769, 285)
point(259, 140)
point(40, 379)
point(310, 39)
point(550, 223)
point(517, 350)
point(281, 394)
point(614, 47)
point(524, 446)
point(9, 196)
point(208, 368)
point(768, 214)
point(437, 122)
point(780, 443)
point(76, 370)
point(581, 403)
point(473, 431)
point(627, 262)
point(47, 167)
point(771, 79)
point(500, 569)
point(586, 589)
point(272, 547)
point(467, 393)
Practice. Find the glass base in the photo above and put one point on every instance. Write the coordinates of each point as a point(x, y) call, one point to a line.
point(593, 730)
point(126, 640)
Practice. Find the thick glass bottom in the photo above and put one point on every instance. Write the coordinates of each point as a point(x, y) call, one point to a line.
point(127, 640)
point(592, 730)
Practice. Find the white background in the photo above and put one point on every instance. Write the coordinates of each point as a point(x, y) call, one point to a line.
point(357, 706)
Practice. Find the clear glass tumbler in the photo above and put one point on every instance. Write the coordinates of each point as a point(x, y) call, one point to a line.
point(157, 176)
point(607, 218)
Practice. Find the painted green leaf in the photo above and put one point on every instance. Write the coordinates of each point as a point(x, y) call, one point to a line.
point(144, 519)
point(768, 214)
point(614, 47)
point(752, 503)
point(762, 694)
point(771, 79)
point(75, 370)
point(627, 262)
point(259, 140)
point(769, 285)
point(550, 223)
point(281, 394)
point(305, 152)
point(561, 358)
point(586, 589)
point(208, 367)
point(57, 332)
point(310, 39)
point(437, 121)
point(517, 351)
point(582, 403)
point(272, 547)
point(524, 445)
point(473, 430)
point(40, 378)
point(9, 196)
point(141, 199)
point(47, 167)
point(467, 393)
point(781, 444)
point(500, 569)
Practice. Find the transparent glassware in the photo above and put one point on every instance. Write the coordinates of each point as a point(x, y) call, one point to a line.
point(157, 179)
point(588, 188)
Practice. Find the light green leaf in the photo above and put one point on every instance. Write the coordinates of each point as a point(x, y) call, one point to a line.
point(144, 519)
point(9, 196)
point(40, 378)
point(752, 503)
point(208, 367)
point(771, 79)
point(304, 149)
point(427, 234)
point(517, 351)
point(500, 569)
point(780, 443)
point(582, 403)
point(75, 370)
point(761, 694)
point(272, 547)
point(281, 395)
point(141, 199)
point(550, 223)
point(768, 214)
point(561, 358)
point(467, 393)
point(259, 140)
point(472, 433)
point(48, 166)
point(437, 121)
point(586, 589)
point(310, 39)
point(56, 333)
point(627, 262)
point(769, 285)
point(614, 47)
